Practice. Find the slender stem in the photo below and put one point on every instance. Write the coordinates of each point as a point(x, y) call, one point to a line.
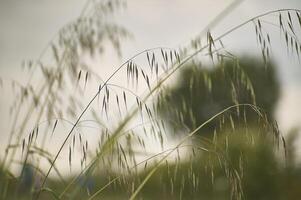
point(86, 108)
point(140, 163)
point(180, 143)
point(175, 69)
point(118, 69)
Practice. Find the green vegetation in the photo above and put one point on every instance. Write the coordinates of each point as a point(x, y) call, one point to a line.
point(204, 91)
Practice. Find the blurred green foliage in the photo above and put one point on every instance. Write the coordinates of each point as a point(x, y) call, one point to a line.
point(203, 91)
point(263, 176)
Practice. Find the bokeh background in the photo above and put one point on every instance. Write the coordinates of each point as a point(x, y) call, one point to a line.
point(27, 26)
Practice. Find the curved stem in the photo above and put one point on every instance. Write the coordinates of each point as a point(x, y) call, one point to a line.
point(87, 107)
point(180, 143)
point(154, 89)
point(122, 125)
point(145, 161)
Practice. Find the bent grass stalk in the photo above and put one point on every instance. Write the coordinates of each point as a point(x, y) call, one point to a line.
point(155, 88)
point(185, 61)
point(180, 143)
point(143, 162)
point(171, 150)
point(86, 108)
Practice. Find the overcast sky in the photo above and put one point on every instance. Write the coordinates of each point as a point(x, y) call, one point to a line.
point(27, 26)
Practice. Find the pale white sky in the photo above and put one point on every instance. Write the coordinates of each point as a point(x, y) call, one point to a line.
point(27, 26)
